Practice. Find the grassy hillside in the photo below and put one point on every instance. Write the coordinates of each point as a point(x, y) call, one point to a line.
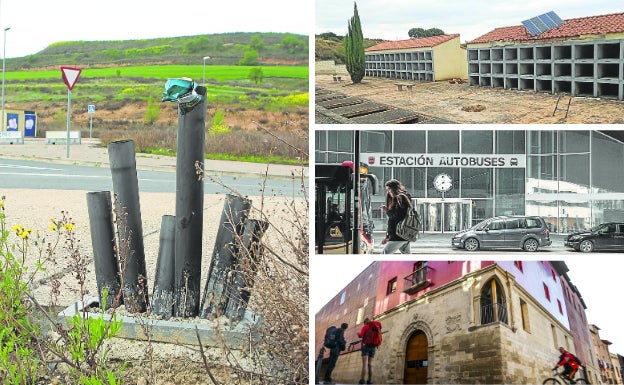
point(223, 49)
point(329, 46)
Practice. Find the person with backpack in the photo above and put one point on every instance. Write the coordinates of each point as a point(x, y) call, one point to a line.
point(371, 339)
point(336, 343)
point(398, 202)
point(570, 363)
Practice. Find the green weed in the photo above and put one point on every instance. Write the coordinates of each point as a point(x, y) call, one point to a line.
point(23, 347)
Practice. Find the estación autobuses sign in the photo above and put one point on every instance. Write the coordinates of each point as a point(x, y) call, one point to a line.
point(445, 160)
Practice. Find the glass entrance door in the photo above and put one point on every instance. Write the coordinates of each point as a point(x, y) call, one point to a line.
point(448, 215)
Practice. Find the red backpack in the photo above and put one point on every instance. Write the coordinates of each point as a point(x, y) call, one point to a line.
point(372, 336)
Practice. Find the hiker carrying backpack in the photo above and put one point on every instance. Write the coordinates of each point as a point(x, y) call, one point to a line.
point(371, 339)
point(334, 337)
point(372, 334)
point(335, 341)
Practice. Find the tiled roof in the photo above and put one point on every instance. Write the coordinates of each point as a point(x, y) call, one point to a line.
point(422, 42)
point(591, 25)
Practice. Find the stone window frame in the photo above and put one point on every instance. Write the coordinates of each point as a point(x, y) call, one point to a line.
point(503, 296)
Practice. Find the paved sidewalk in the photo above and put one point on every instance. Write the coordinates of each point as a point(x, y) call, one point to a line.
point(90, 152)
point(443, 241)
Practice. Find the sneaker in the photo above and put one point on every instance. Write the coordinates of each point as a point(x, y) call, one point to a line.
point(328, 381)
point(362, 381)
point(369, 382)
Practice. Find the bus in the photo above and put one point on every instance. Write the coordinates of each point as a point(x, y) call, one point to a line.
point(334, 208)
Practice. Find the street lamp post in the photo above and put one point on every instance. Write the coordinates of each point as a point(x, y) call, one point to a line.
point(204, 78)
point(3, 68)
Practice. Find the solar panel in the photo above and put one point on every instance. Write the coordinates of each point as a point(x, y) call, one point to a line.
point(528, 24)
point(542, 23)
point(555, 18)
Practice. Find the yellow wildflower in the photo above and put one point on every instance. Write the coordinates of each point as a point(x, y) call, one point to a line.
point(52, 227)
point(24, 233)
point(69, 226)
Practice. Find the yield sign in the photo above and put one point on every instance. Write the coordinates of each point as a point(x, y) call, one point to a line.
point(70, 76)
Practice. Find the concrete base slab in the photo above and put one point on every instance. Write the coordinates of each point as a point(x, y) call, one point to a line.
point(184, 331)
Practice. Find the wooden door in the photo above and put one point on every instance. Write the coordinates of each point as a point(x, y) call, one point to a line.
point(416, 359)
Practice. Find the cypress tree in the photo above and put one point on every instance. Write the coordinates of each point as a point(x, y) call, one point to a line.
point(354, 48)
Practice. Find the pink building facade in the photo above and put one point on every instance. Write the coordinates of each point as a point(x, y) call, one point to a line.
point(482, 321)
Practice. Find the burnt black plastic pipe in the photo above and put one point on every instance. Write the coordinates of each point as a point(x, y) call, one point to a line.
point(131, 251)
point(162, 297)
point(219, 282)
point(103, 242)
point(246, 267)
point(189, 206)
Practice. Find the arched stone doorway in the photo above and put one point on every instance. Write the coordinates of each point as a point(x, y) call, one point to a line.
point(416, 359)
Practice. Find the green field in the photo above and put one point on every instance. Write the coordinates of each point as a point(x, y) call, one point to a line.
point(196, 72)
point(281, 85)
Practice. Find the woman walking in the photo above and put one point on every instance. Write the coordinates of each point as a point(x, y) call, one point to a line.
point(398, 202)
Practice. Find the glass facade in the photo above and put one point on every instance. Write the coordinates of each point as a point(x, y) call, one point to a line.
point(574, 179)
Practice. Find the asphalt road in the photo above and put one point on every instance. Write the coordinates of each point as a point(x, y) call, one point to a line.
point(441, 244)
point(27, 174)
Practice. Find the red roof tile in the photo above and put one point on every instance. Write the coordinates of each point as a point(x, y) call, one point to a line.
point(591, 25)
point(422, 42)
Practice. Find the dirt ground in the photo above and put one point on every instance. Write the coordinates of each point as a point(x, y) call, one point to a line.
point(448, 101)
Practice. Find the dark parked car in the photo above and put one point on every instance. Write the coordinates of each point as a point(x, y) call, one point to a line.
point(526, 232)
point(606, 236)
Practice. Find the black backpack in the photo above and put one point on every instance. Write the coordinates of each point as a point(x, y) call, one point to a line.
point(576, 359)
point(331, 335)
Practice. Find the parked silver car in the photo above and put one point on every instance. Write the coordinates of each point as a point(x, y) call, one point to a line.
point(526, 232)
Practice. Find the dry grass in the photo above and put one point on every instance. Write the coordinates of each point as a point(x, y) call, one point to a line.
point(243, 141)
point(238, 143)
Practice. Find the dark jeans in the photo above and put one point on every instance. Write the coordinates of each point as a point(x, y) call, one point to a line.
point(333, 358)
point(567, 369)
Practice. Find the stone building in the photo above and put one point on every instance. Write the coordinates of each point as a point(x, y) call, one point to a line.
point(454, 321)
point(620, 365)
point(426, 59)
point(581, 57)
point(583, 343)
point(603, 357)
point(617, 368)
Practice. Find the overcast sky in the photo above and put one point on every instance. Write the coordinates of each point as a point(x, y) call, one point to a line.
point(597, 277)
point(35, 24)
point(392, 19)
